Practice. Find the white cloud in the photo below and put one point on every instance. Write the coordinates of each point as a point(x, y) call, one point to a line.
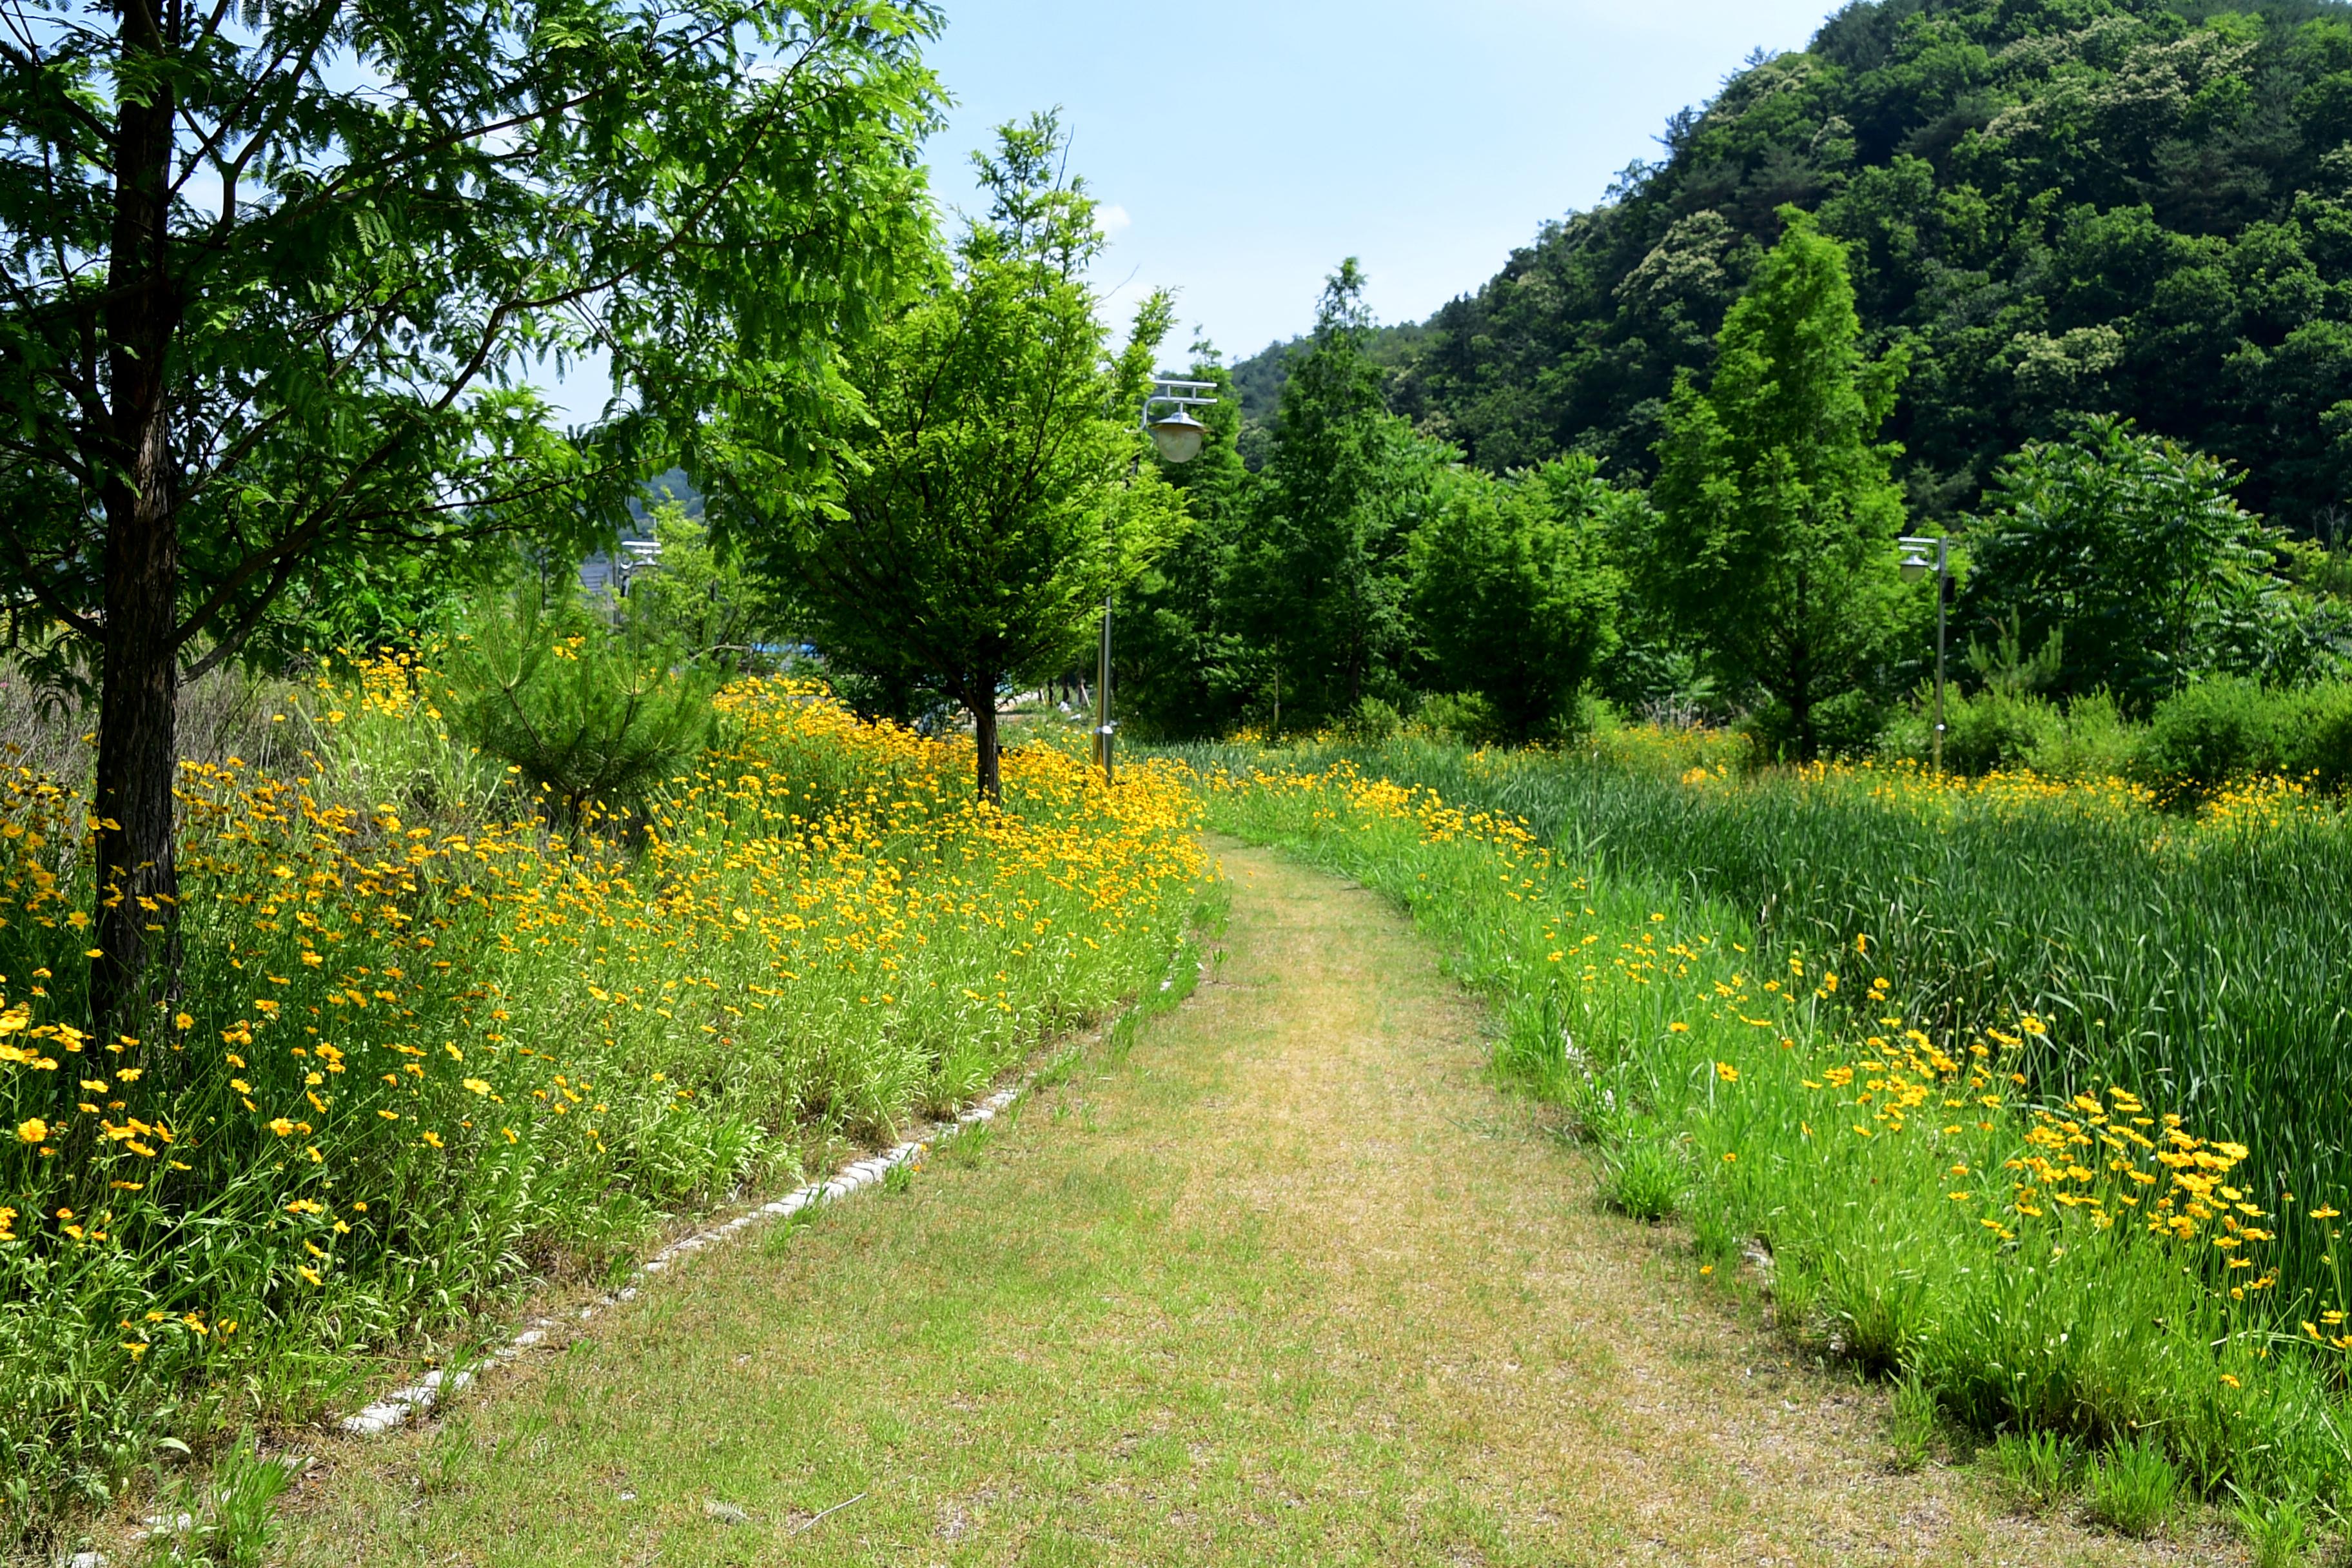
point(1112, 218)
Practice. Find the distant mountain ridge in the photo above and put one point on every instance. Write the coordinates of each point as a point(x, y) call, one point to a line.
point(2062, 206)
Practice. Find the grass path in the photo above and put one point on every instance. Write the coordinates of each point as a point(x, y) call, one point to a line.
point(1289, 1283)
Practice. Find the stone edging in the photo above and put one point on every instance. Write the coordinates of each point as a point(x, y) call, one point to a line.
point(402, 1406)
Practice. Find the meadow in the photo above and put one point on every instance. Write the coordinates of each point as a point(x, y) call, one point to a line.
point(2023, 1096)
point(433, 1044)
point(2198, 955)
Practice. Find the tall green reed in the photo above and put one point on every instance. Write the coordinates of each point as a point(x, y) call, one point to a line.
point(2209, 968)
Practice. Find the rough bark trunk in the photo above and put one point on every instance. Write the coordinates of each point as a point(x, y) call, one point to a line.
point(1801, 711)
point(983, 731)
point(138, 879)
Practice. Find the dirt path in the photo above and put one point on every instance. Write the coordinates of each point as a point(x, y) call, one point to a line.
point(1290, 1284)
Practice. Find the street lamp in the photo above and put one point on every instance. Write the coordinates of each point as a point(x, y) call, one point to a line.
point(1177, 436)
point(1921, 556)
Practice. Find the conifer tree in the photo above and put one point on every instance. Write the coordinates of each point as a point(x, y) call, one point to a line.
point(1324, 583)
point(1773, 543)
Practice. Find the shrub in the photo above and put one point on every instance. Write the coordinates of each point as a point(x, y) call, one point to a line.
point(2231, 728)
point(2316, 741)
point(1371, 722)
point(1462, 716)
point(2092, 741)
point(2133, 1488)
point(1984, 732)
point(1848, 724)
point(2212, 732)
point(586, 712)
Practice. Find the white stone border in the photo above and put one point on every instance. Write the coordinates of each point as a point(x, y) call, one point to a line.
point(402, 1406)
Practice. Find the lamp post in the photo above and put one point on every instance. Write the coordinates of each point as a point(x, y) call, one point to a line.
point(1919, 557)
point(1178, 437)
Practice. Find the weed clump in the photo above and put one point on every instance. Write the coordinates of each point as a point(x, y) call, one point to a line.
point(1645, 1180)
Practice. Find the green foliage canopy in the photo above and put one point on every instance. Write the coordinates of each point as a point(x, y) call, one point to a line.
point(1182, 666)
point(2065, 206)
point(1323, 585)
point(274, 274)
point(2133, 554)
point(699, 600)
point(1515, 590)
point(1773, 542)
point(997, 493)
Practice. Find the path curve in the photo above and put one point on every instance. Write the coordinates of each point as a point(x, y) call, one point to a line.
point(1288, 1283)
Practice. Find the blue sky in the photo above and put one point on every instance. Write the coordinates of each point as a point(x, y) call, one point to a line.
point(1242, 150)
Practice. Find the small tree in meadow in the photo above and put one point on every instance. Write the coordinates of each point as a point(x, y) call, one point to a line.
point(1321, 585)
point(1513, 591)
point(591, 714)
point(1773, 547)
point(997, 493)
point(2129, 556)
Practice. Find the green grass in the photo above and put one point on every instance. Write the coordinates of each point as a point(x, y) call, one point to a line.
point(1645, 1179)
point(429, 1052)
point(1283, 1282)
point(1909, 1232)
point(2134, 1489)
point(2205, 969)
point(2040, 1469)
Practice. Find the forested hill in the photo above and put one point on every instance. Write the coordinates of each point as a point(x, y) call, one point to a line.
point(2065, 205)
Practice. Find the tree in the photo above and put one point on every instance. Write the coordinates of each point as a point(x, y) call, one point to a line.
point(594, 715)
point(998, 492)
point(1513, 589)
point(1182, 667)
point(1323, 584)
point(2132, 554)
point(272, 274)
point(2067, 207)
point(1773, 546)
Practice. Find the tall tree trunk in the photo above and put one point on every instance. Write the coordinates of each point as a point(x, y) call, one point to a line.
point(138, 879)
point(1801, 709)
point(983, 731)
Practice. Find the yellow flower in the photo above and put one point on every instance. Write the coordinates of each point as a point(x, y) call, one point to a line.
point(184, 1020)
point(32, 1129)
point(478, 1085)
point(282, 1127)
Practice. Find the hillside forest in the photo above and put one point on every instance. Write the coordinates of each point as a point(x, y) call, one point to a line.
point(2084, 271)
